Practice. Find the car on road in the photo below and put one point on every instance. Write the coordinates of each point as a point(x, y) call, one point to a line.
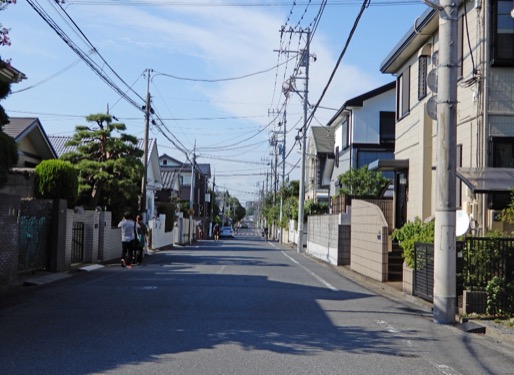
point(226, 232)
point(244, 225)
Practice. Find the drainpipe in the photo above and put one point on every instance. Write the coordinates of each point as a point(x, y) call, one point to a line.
point(485, 127)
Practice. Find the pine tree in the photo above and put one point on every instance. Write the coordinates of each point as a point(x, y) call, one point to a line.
point(109, 167)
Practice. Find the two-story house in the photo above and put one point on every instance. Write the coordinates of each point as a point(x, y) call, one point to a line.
point(176, 177)
point(319, 163)
point(485, 110)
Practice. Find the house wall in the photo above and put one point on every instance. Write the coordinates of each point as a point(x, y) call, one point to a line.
point(369, 240)
point(366, 120)
point(415, 134)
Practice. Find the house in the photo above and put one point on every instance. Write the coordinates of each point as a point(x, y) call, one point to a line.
point(176, 177)
point(9, 74)
point(485, 112)
point(33, 143)
point(319, 163)
point(153, 179)
point(364, 131)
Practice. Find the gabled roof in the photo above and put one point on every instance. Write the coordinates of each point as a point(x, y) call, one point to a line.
point(323, 139)
point(423, 29)
point(30, 128)
point(358, 101)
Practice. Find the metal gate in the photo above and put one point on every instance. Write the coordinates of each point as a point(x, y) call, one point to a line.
point(77, 243)
point(424, 271)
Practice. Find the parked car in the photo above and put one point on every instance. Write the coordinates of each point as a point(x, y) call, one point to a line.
point(244, 225)
point(227, 232)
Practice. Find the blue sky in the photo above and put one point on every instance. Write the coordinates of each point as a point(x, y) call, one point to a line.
point(216, 77)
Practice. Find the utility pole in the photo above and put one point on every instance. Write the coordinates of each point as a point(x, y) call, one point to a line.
point(445, 219)
point(301, 199)
point(142, 201)
point(304, 62)
point(191, 192)
point(284, 124)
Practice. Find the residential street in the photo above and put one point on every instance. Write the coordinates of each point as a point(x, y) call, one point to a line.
point(237, 306)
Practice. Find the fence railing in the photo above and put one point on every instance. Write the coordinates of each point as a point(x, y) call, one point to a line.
point(480, 262)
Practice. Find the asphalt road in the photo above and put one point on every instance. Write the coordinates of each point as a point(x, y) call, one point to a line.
point(237, 306)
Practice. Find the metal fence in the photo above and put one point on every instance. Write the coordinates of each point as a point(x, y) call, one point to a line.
point(481, 262)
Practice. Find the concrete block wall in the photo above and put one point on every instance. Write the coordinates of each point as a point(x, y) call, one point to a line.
point(9, 234)
point(369, 238)
point(322, 237)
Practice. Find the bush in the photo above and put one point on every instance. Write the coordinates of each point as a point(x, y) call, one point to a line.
point(56, 179)
point(410, 233)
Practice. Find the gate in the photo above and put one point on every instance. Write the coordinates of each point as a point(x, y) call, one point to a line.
point(424, 271)
point(32, 254)
point(77, 243)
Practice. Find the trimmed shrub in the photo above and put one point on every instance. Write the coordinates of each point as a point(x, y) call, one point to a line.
point(410, 233)
point(56, 179)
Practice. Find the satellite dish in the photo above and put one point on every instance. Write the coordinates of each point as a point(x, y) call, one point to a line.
point(435, 58)
point(432, 80)
point(432, 107)
point(462, 221)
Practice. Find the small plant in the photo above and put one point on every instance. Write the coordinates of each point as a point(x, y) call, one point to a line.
point(412, 232)
point(499, 296)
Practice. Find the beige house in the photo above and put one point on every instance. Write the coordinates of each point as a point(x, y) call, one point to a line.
point(485, 113)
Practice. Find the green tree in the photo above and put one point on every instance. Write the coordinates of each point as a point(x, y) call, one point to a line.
point(56, 179)
point(362, 183)
point(109, 167)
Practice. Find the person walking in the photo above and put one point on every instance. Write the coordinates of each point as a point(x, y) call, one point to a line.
point(216, 232)
point(140, 231)
point(127, 239)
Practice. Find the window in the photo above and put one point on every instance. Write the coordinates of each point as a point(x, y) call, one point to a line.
point(502, 30)
point(460, 47)
point(422, 76)
point(502, 149)
point(403, 94)
point(345, 128)
point(387, 128)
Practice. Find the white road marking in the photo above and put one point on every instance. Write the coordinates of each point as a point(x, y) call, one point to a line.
point(319, 278)
point(446, 370)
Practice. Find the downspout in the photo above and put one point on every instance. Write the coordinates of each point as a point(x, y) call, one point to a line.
point(485, 127)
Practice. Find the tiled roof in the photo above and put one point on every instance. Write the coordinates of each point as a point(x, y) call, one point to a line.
point(19, 126)
point(58, 142)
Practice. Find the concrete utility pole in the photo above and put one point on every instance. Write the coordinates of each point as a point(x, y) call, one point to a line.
point(301, 199)
point(445, 219)
point(142, 202)
point(304, 63)
point(284, 124)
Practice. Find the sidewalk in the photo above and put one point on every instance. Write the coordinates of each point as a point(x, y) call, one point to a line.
point(393, 290)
